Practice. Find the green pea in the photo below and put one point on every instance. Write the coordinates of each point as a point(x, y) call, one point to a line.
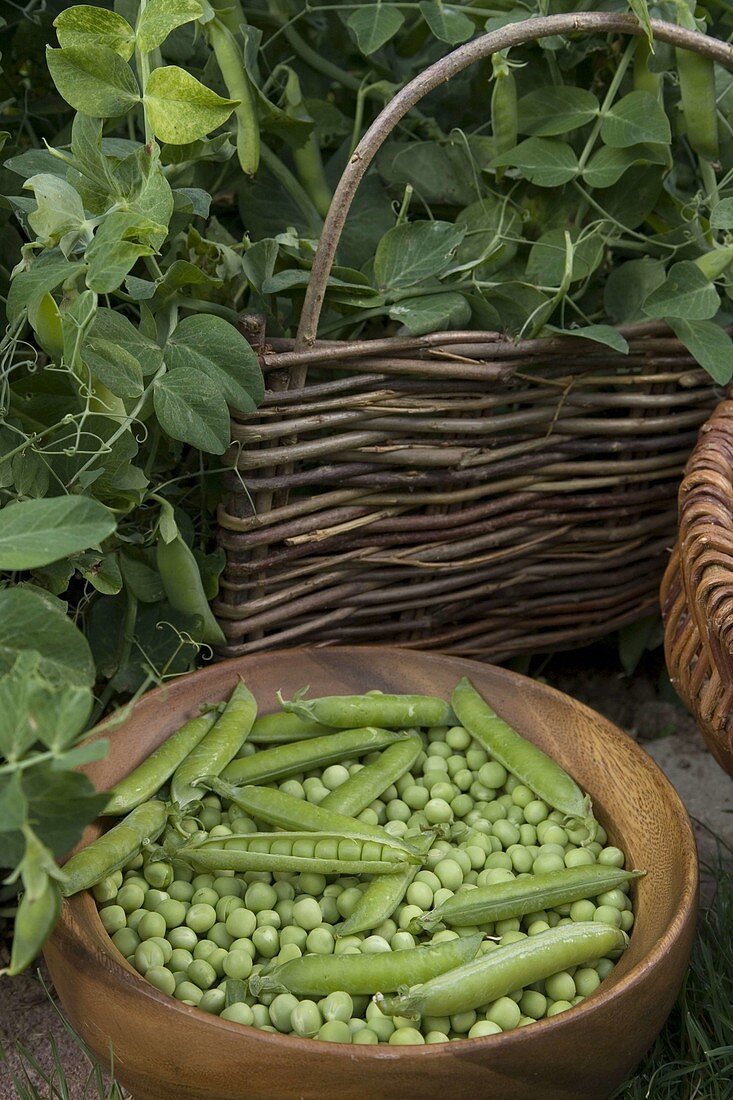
point(180, 959)
point(182, 937)
point(238, 1013)
point(609, 857)
point(603, 968)
point(586, 981)
point(130, 897)
point(481, 1027)
point(295, 935)
point(307, 913)
point(373, 945)
point(146, 955)
point(560, 987)
point(162, 979)
point(505, 1013)
point(533, 1004)
point(240, 923)
point(152, 924)
point(557, 1007)
point(337, 1006)
point(200, 918)
point(627, 920)
point(281, 1011)
point(406, 1036)
point(579, 857)
point(267, 941)
point(320, 941)
point(113, 918)
point(126, 941)
point(260, 896)
point(201, 973)
point(544, 864)
point(187, 991)
point(181, 891)
point(206, 895)
point(106, 889)
point(607, 914)
point(335, 1031)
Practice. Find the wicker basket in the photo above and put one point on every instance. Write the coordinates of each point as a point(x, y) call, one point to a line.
point(456, 491)
point(697, 590)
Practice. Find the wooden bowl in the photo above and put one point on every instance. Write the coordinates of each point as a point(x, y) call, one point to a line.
point(165, 1050)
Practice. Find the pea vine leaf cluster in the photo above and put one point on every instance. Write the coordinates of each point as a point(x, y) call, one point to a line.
point(168, 165)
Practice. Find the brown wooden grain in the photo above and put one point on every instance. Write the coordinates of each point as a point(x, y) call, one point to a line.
point(165, 1050)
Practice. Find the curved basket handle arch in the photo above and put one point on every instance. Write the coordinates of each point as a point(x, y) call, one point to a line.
point(515, 34)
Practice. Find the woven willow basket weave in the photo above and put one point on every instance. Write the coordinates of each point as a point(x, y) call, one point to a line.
point(697, 591)
point(456, 491)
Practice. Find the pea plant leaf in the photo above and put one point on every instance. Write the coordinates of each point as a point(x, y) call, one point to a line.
point(555, 109)
point(544, 161)
point(159, 17)
point(94, 80)
point(638, 117)
point(600, 334)
point(685, 293)
point(447, 23)
point(180, 108)
point(83, 25)
point(374, 25)
point(59, 211)
point(114, 366)
point(60, 804)
point(546, 261)
point(111, 327)
point(213, 347)
point(709, 344)
point(722, 215)
point(119, 242)
point(192, 408)
point(628, 286)
point(34, 621)
point(607, 165)
point(47, 272)
point(415, 251)
point(430, 312)
point(640, 8)
point(36, 532)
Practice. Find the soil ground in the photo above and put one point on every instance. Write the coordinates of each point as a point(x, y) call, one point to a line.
point(636, 703)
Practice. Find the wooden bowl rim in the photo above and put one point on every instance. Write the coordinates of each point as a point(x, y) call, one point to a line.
point(83, 908)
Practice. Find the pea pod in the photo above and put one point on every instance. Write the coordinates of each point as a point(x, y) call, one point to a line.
point(217, 748)
point(371, 781)
point(520, 896)
point(148, 777)
point(181, 579)
point(504, 114)
point(368, 973)
point(513, 966)
point(713, 264)
point(284, 760)
point(324, 853)
point(282, 728)
point(697, 91)
point(397, 712)
point(34, 922)
point(288, 812)
point(234, 992)
point(230, 59)
point(383, 895)
point(114, 848)
point(524, 760)
point(45, 320)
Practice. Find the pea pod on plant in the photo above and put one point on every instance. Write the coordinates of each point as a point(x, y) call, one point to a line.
point(524, 760)
point(181, 578)
point(504, 113)
point(34, 921)
point(230, 59)
point(715, 263)
point(697, 91)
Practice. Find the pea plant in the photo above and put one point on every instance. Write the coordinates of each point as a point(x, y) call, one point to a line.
point(168, 166)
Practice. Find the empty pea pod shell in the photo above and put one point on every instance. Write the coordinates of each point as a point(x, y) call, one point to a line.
point(520, 896)
point(524, 760)
point(148, 777)
point(211, 755)
point(396, 712)
point(513, 966)
point(284, 760)
point(114, 848)
point(369, 973)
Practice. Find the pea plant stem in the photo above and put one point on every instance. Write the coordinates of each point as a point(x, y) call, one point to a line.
point(142, 61)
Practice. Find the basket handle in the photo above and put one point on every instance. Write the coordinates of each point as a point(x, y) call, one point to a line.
point(515, 34)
